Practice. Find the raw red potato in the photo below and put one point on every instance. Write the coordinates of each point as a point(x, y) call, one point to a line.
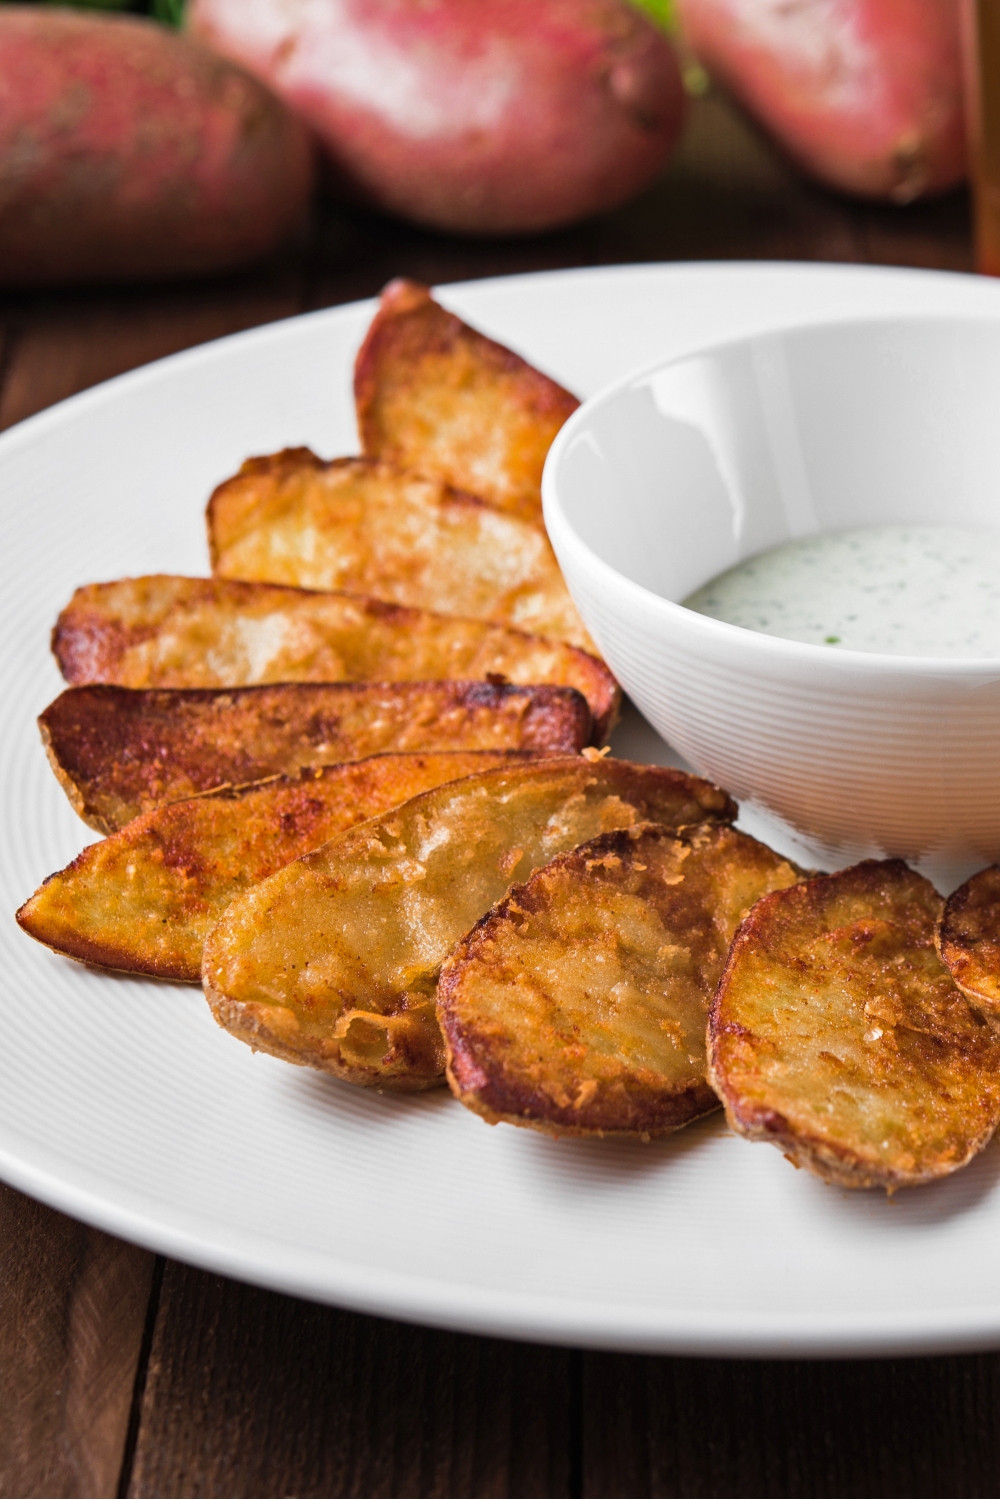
point(866, 95)
point(128, 151)
point(475, 116)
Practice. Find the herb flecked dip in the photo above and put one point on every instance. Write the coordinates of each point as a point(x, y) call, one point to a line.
point(904, 590)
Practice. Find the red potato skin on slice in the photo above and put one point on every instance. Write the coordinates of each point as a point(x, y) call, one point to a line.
point(501, 118)
point(164, 631)
point(865, 95)
point(436, 396)
point(130, 152)
point(119, 752)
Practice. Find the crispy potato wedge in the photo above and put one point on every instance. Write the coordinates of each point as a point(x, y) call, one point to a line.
point(119, 752)
point(164, 631)
point(364, 527)
point(577, 1006)
point(837, 1034)
point(333, 962)
point(969, 939)
point(145, 899)
point(434, 395)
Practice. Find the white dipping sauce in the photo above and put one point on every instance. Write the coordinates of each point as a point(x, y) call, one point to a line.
point(905, 590)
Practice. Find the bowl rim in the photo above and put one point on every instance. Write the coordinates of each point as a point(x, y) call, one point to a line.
point(716, 632)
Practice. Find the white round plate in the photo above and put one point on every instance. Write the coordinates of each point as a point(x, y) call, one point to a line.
point(122, 1103)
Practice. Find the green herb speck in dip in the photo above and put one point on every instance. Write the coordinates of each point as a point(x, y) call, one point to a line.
point(903, 590)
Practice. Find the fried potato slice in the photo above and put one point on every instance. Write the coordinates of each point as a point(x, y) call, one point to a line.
point(434, 395)
point(119, 752)
point(145, 899)
point(577, 1006)
point(837, 1034)
point(969, 939)
point(365, 527)
point(333, 962)
point(163, 631)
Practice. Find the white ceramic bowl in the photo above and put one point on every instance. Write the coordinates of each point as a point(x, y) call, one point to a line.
point(674, 474)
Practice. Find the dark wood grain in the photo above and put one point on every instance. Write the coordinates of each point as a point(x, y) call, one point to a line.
point(733, 1427)
point(250, 1393)
point(61, 342)
point(727, 195)
point(72, 1312)
point(199, 1386)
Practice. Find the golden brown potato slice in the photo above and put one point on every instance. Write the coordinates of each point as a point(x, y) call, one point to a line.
point(578, 1005)
point(164, 631)
point(119, 752)
point(969, 939)
point(837, 1034)
point(145, 899)
point(434, 395)
point(333, 962)
point(365, 527)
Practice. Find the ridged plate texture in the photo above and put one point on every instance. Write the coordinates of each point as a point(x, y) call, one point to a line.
point(122, 1103)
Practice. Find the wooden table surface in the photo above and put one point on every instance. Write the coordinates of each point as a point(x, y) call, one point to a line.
point(122, 1373)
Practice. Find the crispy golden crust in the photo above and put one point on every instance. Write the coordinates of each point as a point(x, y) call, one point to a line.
point(145, 899)
point(119, 752)
point(333, 962)
point(837, 1034)
point(434, 395)
point(163, 631)
point(578, 1005)
point(364, 527)
point(969, 939)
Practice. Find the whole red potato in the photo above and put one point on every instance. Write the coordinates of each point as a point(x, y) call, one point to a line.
point(476, 116)
point(866, 95)
point(128, 151)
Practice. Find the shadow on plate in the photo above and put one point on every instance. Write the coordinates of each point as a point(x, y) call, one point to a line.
point(334, 1097)
point(911, 1208)
point(610, 1163)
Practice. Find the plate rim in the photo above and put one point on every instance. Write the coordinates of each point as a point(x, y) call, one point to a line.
point(569, 1322)
point(441, 1302)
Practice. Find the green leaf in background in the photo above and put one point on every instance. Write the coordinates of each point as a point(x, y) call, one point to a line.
point(170, 12)
point(664, 13)
point(660, 11)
